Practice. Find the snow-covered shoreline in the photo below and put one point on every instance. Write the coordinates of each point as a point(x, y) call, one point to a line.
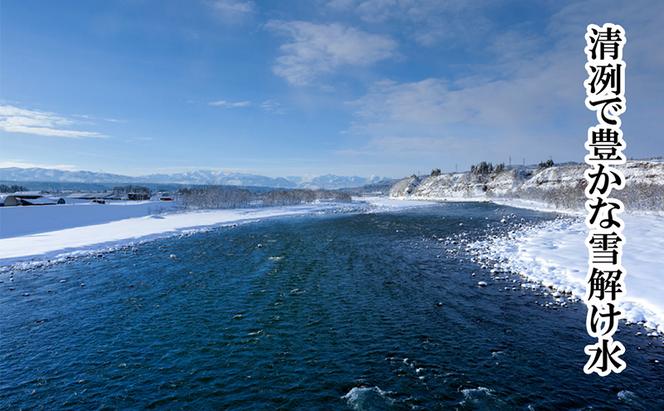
point(52, 244)
point(553, 253)
point(115, 233)
point(509, 202)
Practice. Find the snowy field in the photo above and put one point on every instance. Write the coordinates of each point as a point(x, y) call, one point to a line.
point(16, 221)
point(554, 254)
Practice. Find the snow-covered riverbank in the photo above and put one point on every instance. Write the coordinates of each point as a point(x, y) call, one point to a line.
point(47, 243)
point(554, 254)
point(509, 202)
point(52, 243)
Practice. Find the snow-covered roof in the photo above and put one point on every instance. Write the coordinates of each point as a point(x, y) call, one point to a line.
point(27, 194)
point(43, 200)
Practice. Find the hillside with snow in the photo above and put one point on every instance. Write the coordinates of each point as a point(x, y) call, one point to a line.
point(559, 187)
point(553, 254)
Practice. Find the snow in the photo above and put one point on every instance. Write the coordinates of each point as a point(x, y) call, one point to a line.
point(554, 254)
point(535, 205)
point(520, 181)
point(16, 221)
point(509, 202)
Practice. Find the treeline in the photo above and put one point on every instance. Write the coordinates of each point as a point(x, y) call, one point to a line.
point(214, 197)
point(299, 196)
point(13, 188)
point(234, 197)
point(379, 188)
point(131, 189)
point(484, 168)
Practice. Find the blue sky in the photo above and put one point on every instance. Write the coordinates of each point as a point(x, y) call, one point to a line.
point(351, 87)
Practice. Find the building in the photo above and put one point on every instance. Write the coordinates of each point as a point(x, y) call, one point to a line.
point(30, 198)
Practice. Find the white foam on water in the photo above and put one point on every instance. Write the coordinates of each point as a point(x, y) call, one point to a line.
point(368, 398)
point(480, 398)
point(473, 393)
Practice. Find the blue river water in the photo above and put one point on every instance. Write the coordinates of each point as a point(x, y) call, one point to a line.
point(358, 311)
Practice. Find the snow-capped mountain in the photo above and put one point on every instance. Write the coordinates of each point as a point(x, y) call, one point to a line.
point(218, 178)
point(51, 175)
point(331, 181)
point(191, 177)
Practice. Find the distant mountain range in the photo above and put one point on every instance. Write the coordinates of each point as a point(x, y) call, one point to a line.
point(203, 177)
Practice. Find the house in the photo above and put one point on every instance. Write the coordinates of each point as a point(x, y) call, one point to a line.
point(28, 198)
point(163, 196)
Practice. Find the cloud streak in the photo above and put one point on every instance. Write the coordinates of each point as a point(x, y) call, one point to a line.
point(230, 104)
point(315, 50)
point(40, 123)
point(233, 10)
point(427, 22)
point(272, 106)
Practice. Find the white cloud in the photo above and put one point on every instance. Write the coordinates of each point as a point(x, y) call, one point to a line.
point(269, 105)
point(272, 106)
point(41, 123)
point(233, 10)
point(27, 164)
point(527, 101)
point(389, 105)
point(230, 104)
point(93, 118)
point(314, 50)
point(486, 117)
point(428, 22)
